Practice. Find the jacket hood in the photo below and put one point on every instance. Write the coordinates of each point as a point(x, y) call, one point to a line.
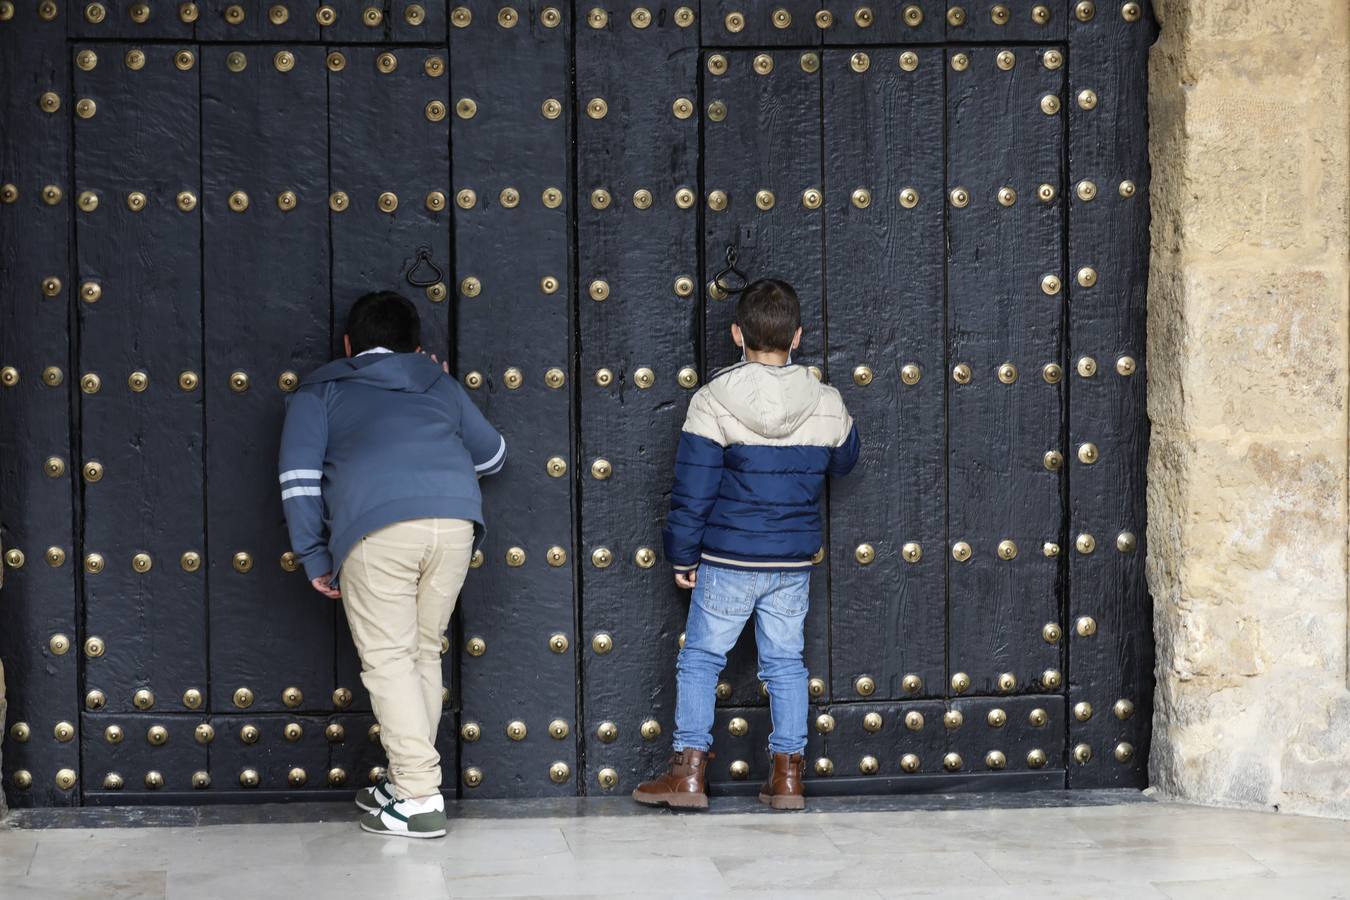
point(769, 400)
point(411, 372)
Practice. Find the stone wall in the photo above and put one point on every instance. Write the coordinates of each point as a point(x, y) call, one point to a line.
point(1249, 318)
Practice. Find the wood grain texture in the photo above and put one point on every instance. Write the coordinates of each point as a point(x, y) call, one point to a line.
point(639, 253)
point(769, 140)
point(1107, 145)
point(382, 141)
point(36, 511)
point(300, 24)
point(759, 28)
point(133, 756)
point(884, 293)
point(151, 444)
point(1015, 739)
point(980, 24)
point(266, 291)
point(261, 134)
point(512, 323)
point(850, 740)
point(889, 22)
point(116, 23)
point(999, 489)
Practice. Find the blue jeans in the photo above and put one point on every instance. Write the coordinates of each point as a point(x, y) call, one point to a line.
point(723, 600)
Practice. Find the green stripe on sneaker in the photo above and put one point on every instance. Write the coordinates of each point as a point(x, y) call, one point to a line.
point(395, 813)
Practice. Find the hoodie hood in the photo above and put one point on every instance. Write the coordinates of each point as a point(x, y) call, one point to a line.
point(772, 401)
point(414, 373)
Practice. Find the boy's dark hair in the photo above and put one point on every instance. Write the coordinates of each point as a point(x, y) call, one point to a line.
point(384, 319)
point(769, 315)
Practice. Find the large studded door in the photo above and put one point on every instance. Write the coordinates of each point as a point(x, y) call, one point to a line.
point(192, 196)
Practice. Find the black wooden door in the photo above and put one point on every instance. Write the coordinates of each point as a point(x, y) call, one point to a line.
point(194, 196)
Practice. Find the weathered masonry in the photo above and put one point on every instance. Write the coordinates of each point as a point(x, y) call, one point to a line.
point(195, 193)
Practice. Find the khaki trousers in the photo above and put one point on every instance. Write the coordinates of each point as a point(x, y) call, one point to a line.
point(399, 587)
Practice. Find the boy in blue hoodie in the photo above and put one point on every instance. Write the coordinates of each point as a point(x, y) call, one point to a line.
point(380, 459)
point(758, 442)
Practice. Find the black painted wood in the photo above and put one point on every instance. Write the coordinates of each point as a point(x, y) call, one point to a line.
point(398, 20)
point(978, 734)
point(1009, 20)
point(126, 19)
point(300, 22)
point(884, 290)
point(284, 752)
point(513, 324)
point(261, 135)
point(885, 22)
point(38, 600)
point(264, 291)
point(906, 728)
point(999, 489)
point(145, 329)
point(634, 239)
point(384, 141)
point(1109, 234)
point(734, 23)
point(769, 140)
point(121, 745)
point(740, 746)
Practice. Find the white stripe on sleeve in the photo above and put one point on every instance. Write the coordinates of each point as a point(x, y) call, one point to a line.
point(296, 474)
point(495, 461)
point(301, 492)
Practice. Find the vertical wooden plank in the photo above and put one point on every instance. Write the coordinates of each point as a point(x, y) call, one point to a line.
point(1110, 629)
point(389, 128)
point(638, 309)
point(1005, 265)
point(262, 135)
point(141, 436)
point(762, 147)
point(884, 290)
point(513, 340)
point(36, 468)
point(769, 140)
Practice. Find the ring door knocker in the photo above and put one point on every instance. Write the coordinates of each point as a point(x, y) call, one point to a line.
point(730, 269)
point(424, 258)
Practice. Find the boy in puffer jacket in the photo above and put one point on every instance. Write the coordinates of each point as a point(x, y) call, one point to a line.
point(758, 441)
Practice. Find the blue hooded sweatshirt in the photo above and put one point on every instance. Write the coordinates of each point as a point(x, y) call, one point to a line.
point(378, 439)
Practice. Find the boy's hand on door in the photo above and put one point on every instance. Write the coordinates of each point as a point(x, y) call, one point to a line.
point(324, 585)
point(686, 580)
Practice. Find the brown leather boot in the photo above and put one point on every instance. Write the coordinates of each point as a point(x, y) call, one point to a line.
point(684, 786)
point(783, 790)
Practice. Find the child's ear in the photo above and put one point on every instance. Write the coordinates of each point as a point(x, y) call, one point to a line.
point(797, 338)
point(736, 335)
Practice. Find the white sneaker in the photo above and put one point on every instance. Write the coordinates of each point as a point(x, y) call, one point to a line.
point(408, 818)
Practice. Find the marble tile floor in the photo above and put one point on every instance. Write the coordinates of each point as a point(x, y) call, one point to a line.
point(1131, 849)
